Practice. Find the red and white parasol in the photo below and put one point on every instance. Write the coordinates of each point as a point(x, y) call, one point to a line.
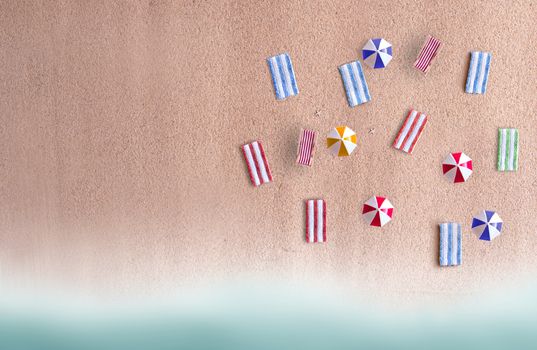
point(457, 167)
point(377, 211)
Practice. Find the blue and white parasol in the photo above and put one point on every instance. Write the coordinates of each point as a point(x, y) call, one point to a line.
point(377, 53)
point(487, 225)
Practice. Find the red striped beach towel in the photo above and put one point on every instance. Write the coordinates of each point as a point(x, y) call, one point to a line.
point(315, 220)
point(256, 161)
point(306, 147)
point(427, 54)
point(411, 131)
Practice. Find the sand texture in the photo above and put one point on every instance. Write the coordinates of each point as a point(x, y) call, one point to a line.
point(121, 123)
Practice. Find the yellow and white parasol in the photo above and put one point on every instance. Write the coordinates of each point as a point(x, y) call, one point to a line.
point(341, 141)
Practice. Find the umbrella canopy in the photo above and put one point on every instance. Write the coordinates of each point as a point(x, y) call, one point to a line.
point(377, 211)
point(377, 53)
point(457, 167)
point(487, 225)
point(341, 141)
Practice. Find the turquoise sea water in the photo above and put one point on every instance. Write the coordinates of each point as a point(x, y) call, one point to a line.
point(299, 332)
point(279, 321)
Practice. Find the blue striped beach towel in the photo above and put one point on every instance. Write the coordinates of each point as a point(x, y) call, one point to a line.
point(450, 244)
point(355, 84)
point(478, 72)
point(283, 76)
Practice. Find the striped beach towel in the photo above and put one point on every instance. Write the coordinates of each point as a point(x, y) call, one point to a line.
point(507, 149)
point(315, 220)
point(306, 147)
point(283, 76)
point(450, 244)
point(427, 54)
point(354, 83)
point(411, 131)
point(256, 161)
point(478, 72)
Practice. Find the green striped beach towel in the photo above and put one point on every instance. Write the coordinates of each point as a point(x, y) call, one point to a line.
point(507, 149)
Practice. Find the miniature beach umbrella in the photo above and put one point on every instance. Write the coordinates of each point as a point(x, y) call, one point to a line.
point(377, 211)
point(457, 167)
point(377, 53)
point(487, 225)
point(341, 141)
